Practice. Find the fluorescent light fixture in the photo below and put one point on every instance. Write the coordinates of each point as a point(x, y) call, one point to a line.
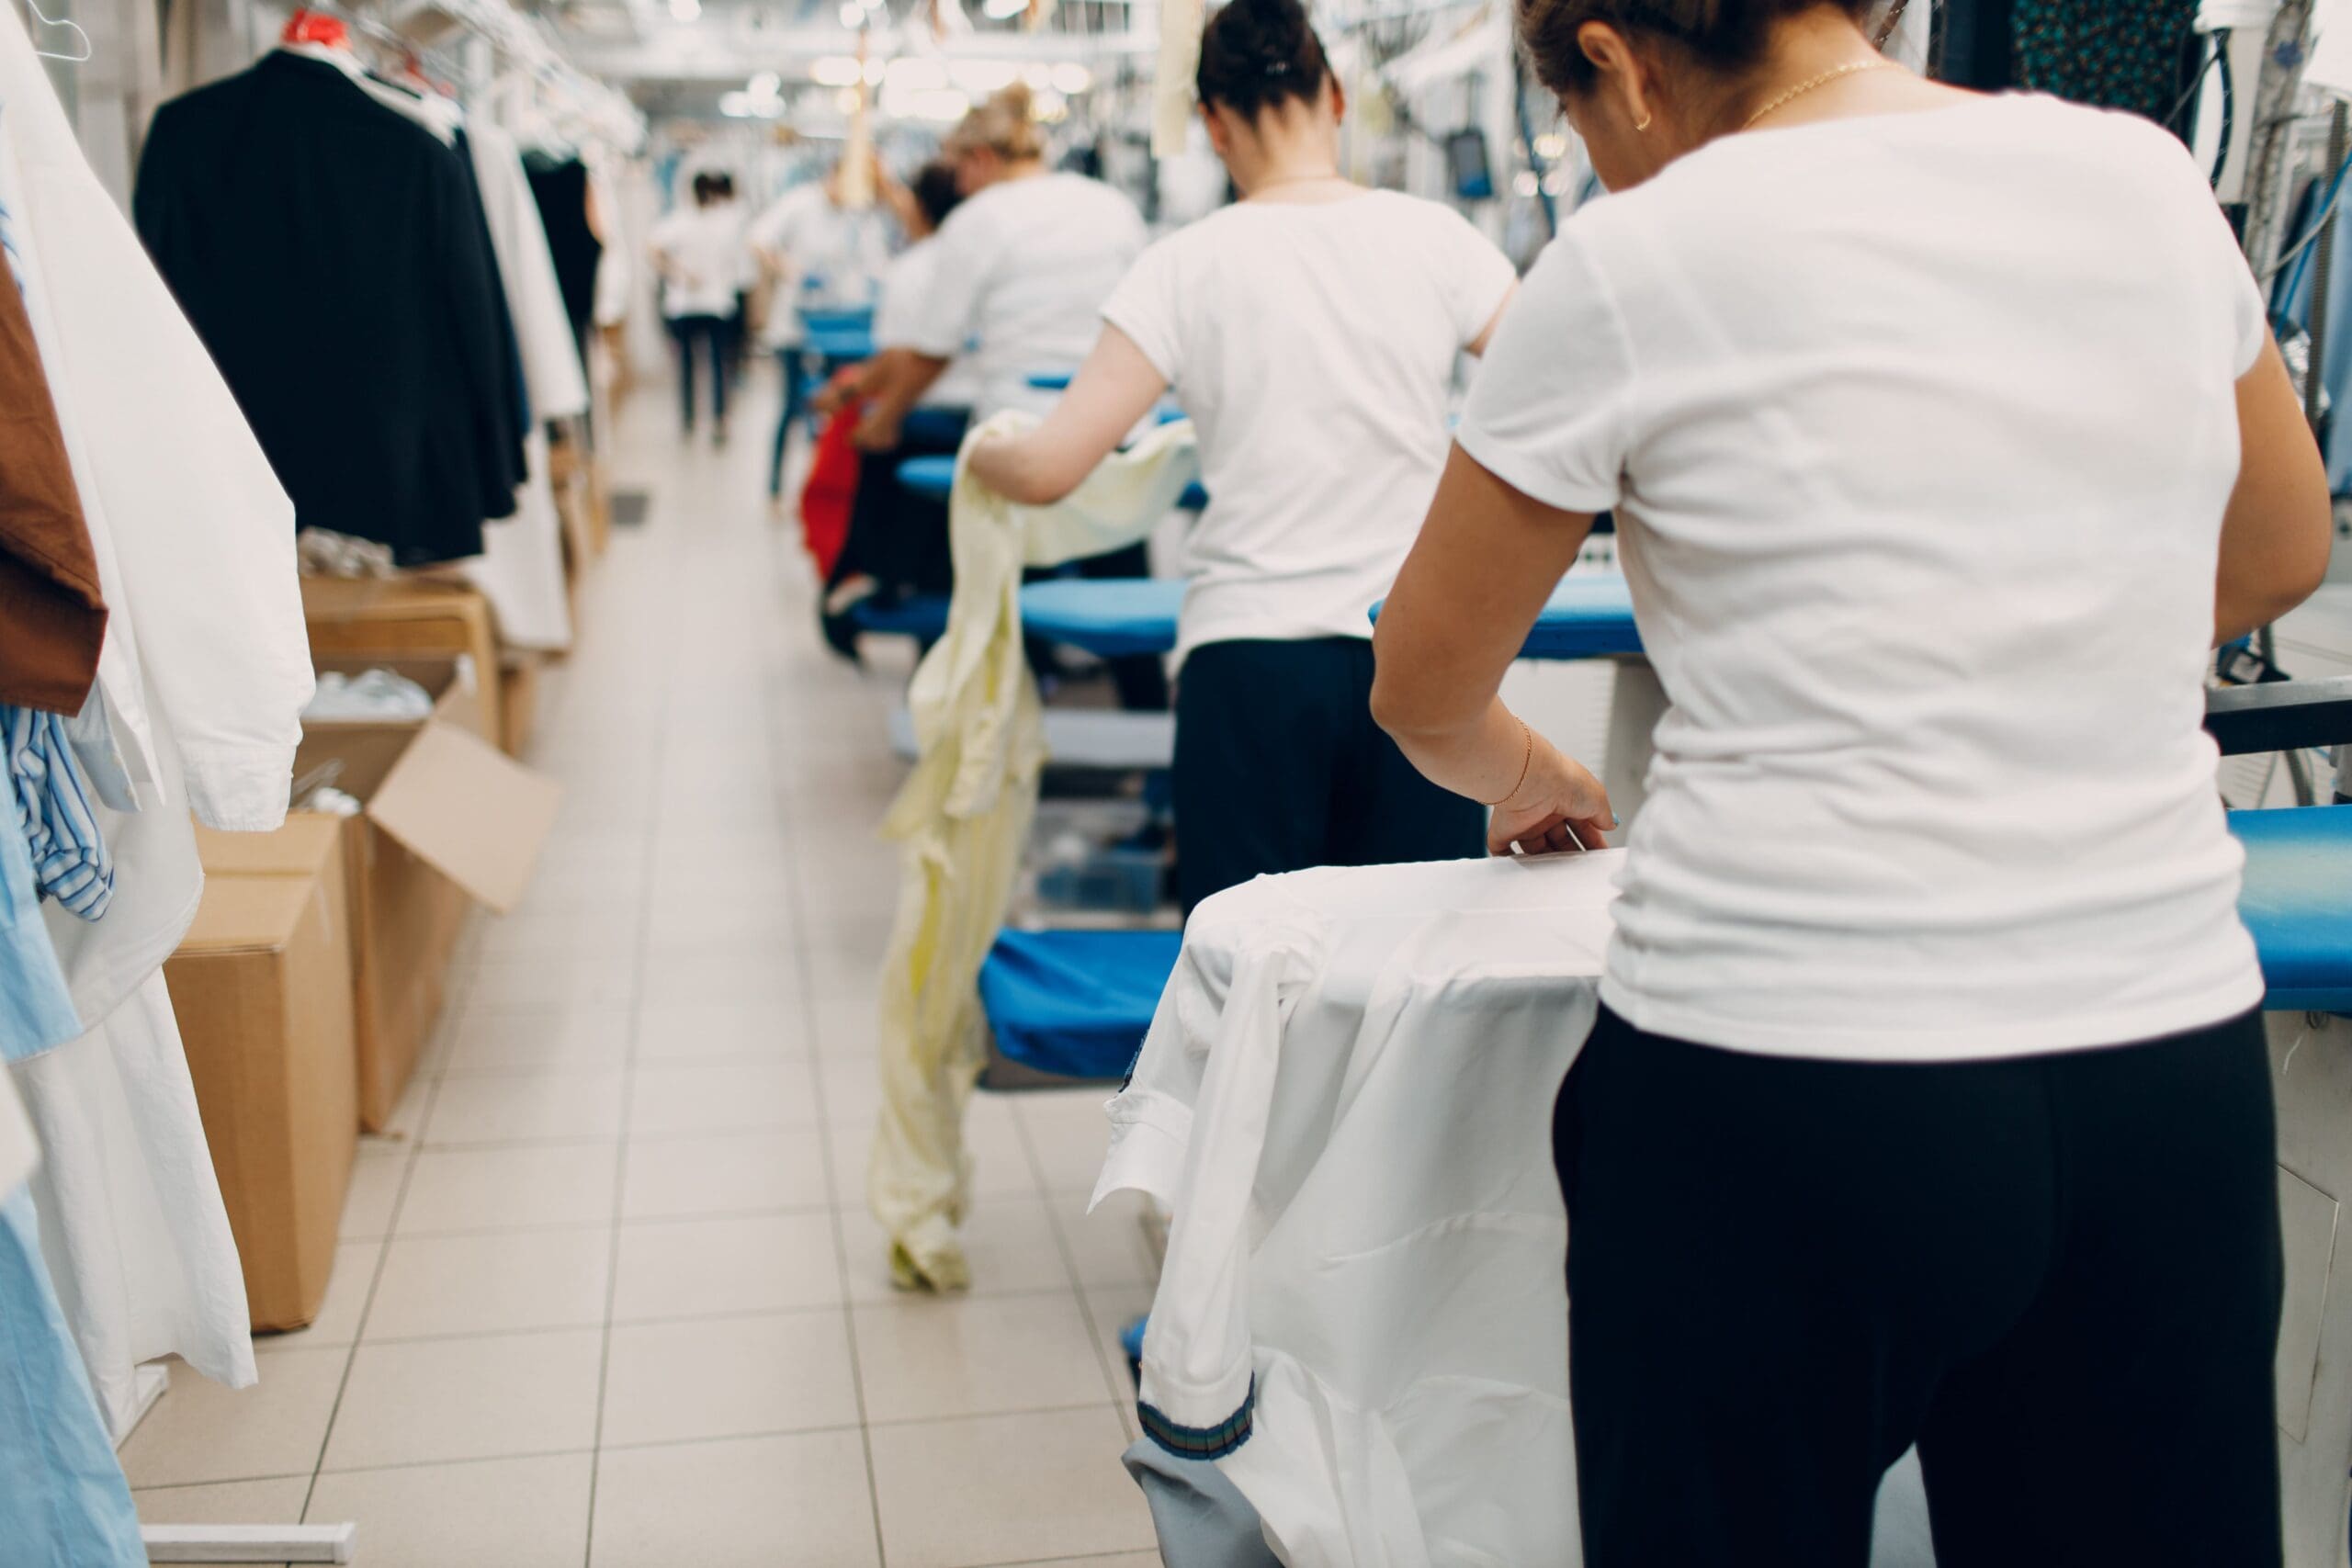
point(1050, 106)
point(1003, 10)
point(685, 10)
point(942, 105)
point(874, 71)
point(766, 84)
point(1040, 77)
point(1070, 78)
point(834, 70)
point(980, 77)
point(1550, 146)
point(852, 14)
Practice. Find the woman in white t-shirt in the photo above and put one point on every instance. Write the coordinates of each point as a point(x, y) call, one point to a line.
point(1018, 276)
point(1312, 331)
point(705, 263)
point(1928, 1103)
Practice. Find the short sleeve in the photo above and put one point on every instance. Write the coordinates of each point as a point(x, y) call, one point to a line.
point(2249, 318)
point(946, 318)
point(1477, 276)
point(1551, 410)
point(905, 281)
point(1144, 306)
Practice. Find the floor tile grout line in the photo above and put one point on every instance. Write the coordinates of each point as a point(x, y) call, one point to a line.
point(797, 891)
point(655, 756)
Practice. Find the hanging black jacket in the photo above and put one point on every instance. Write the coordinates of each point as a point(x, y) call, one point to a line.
point(331, 254)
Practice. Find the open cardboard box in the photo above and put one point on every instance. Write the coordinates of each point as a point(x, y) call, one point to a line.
point(446, 821)
point(262, 987)
point(453, 683)
point(375, 619)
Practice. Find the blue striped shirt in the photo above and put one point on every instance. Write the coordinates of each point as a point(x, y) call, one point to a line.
point(56, 813)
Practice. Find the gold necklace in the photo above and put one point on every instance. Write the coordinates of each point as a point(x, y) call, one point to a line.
point(1852, 67)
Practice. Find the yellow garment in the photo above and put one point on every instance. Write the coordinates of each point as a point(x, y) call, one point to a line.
point(1178, 61)
point(964, 817)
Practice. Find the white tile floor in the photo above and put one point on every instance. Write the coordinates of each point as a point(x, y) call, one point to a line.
point(614, 1299)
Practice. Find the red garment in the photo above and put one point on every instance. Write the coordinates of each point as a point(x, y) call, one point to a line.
point(831, 493)
point(52, 618)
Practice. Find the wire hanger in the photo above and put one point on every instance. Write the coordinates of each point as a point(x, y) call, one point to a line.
point(68, 23)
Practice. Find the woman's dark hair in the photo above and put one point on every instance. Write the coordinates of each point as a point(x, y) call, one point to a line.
point(1721, 35)
point(935, 191)
point(1256, 54)
point(713, 185)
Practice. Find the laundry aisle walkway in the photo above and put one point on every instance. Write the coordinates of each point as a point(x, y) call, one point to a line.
point(610, 1297)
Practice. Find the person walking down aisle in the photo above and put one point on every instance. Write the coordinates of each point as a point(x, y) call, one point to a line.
point(1928, 1103)
point(1322, 441)
point(1022, 268)
point(815, 251)
point(705, 264)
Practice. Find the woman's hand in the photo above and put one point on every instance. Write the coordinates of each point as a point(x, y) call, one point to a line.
point(1559, 797)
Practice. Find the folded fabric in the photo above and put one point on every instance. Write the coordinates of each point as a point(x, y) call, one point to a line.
point(55, 812)
point(372, 694)
point(963, 816)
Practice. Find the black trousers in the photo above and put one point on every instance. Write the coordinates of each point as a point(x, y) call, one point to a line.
point(1279, 767)
point(717, 334)
point(2059, 1276)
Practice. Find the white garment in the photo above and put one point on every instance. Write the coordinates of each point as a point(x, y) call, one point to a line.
point(1314, 348)
point(197, 557)
point(614, 281)
point(132, 1222)
point(963, 818)
point(1345, 1102)
point(833, 258)
point(1920, 429)
point(1023, 269)
point(709, 262)
point(906, 283)
point(520, 571)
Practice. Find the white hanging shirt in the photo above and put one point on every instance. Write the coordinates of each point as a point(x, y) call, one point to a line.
point(1023, 269)
point(1314, 346)
point(1919, 429)
point(1346, 1102)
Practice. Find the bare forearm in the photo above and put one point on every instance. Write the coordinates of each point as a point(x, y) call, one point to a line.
point(1482, 757)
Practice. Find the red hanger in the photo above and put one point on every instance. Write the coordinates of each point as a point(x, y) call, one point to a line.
point(315, 27)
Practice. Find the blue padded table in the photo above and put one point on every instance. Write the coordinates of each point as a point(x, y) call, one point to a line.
point(1588, 617)
point(2298, 903)
point(923, 616)
point(840, 345)
point(931, 478)
point(1075, 1004)
point(1109, 618)
point(1052, 380)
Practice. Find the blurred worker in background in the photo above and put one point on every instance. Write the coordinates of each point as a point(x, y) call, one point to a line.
point(819, 251)
point(704, 264)
point(1312, 331)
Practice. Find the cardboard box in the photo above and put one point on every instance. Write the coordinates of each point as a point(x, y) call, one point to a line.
point(405, 618)
point(453, 684)
point(447, 819)
point(261, 986)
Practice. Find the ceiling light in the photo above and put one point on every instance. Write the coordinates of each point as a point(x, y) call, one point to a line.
point(685, 10)
point(983, 77)
point(1550, 146)
point(735, 106)
point(874, 71)
point(1070, 78)
point(849, 99)
point(835, 71)
point(852, 14)
point(911, 75)
point(1003, 10)
point(766, 84)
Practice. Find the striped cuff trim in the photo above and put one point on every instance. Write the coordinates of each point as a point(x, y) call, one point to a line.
point(1202, 1442)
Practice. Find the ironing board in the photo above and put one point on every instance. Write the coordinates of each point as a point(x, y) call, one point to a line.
point(1075, 1004)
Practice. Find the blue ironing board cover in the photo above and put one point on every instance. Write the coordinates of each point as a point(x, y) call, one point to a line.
point(2298, 903)
point(924, 616)
point(1076, 1003)
point(1109, 618)
point(841, 343)
point(1587, 617)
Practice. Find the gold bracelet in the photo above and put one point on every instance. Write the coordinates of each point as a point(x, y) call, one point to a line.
point(1525, 762)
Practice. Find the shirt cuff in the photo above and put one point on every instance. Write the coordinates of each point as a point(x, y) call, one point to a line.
point(1149, 1135)
point(239, 789)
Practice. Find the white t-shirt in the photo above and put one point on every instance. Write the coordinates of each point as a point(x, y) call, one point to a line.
point(1314, 348)
point(906, 283)
point(1023, 268)
point(834, 256)
point(1919, 430)
point(709, 264)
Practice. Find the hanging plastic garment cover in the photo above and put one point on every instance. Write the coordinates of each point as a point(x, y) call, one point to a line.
point(963, 818)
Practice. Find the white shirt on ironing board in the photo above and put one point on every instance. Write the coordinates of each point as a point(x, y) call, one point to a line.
point(1919, 429)
point(1314, 346)
point(1346, 1102)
